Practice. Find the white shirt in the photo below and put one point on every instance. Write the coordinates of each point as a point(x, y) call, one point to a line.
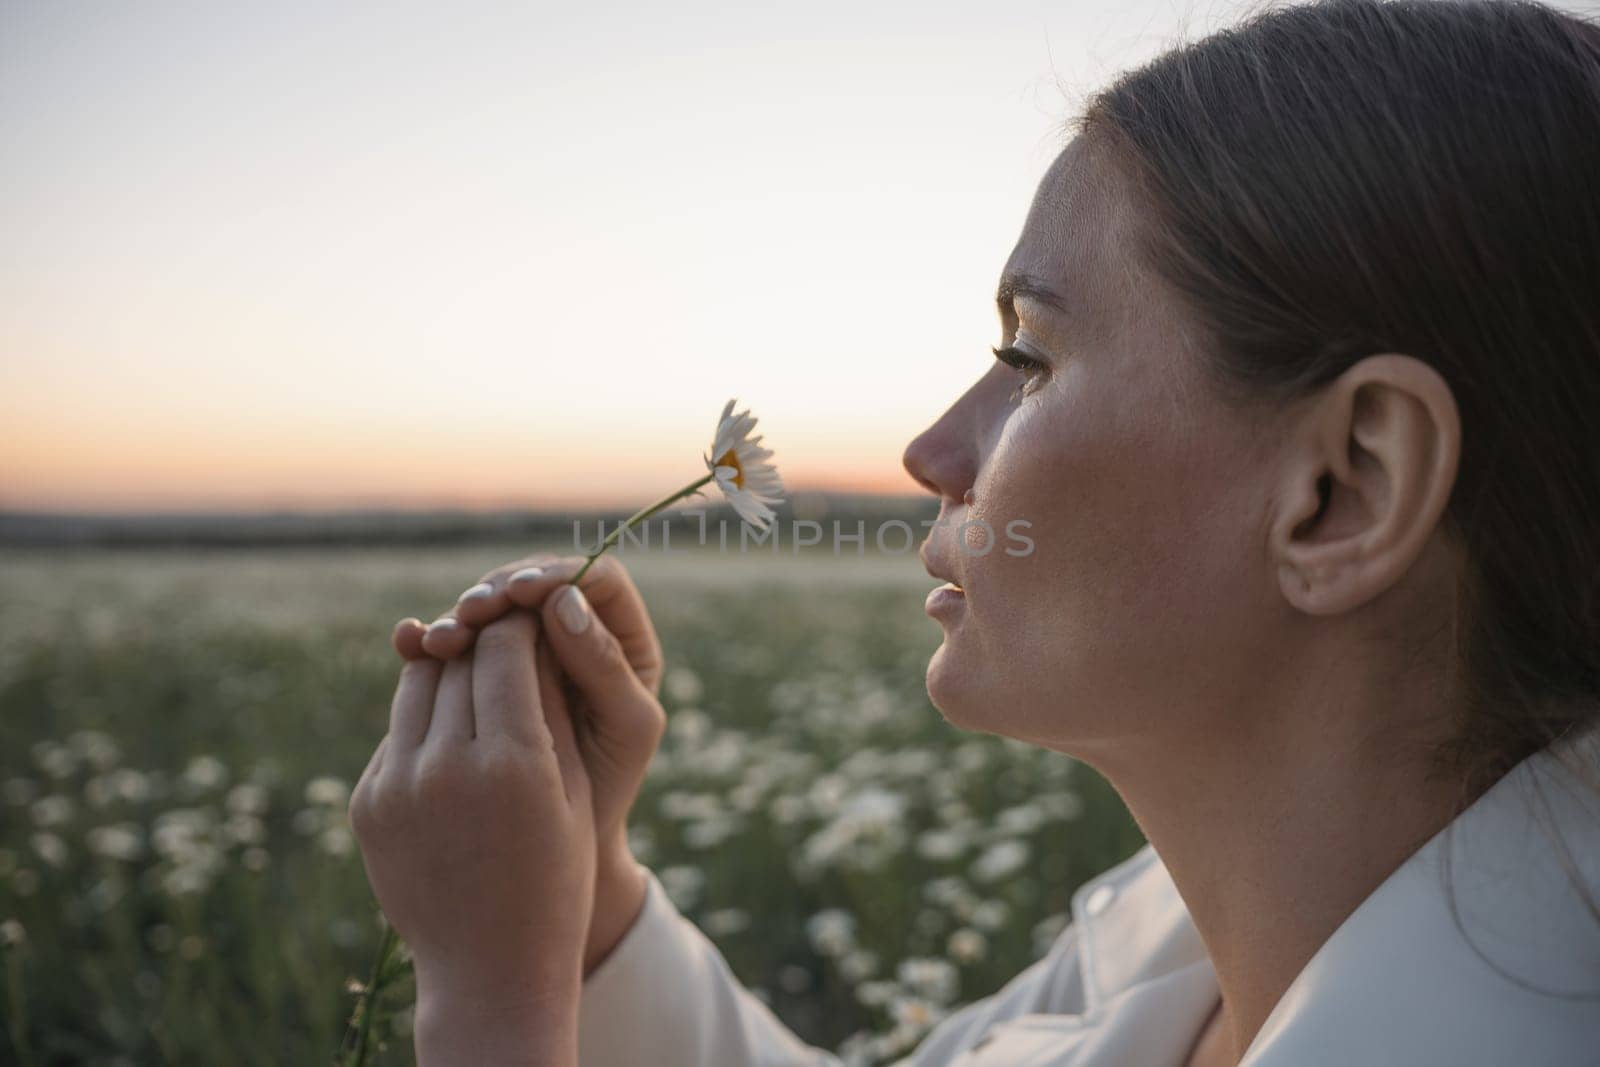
point(1128, 981)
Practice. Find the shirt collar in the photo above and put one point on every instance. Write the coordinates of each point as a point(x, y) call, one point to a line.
point(1402, 979)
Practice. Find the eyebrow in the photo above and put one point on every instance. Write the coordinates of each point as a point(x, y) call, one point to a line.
point(1015, 285)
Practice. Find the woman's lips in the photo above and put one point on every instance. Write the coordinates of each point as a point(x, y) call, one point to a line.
point(945, 599)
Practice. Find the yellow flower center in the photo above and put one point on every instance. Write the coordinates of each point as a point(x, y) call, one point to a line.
point(730, 459)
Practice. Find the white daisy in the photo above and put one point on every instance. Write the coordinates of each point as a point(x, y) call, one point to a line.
point(739, 466)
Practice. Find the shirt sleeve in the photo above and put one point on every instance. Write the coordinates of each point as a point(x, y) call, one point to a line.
point(665, 996)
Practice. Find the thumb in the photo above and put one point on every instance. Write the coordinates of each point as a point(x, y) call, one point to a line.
point(623, 711)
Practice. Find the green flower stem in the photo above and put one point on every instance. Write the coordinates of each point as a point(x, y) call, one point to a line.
point(634, 519)
point(367, 1006)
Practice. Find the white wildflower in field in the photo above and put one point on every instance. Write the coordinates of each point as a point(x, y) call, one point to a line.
point(50, 848)
point(858, 964)
point(725, 921)
point(1000, 860)
point(131, 786)
point(182, 833)
point(247, 798)
point(336, 840)
point(942, 844)
point(683, 685)
point(1064, 805)
point(973, 755)
point(327, 791)
point(967, 945)
point(98, 749)
point(244, 829)
point(990, 914)
point(950, 892)
point(57, 761)
point(936, 979)
point(52, 810)
point(788, 809)
point(739, 466)
point(741, 469)
point(915, 1013)
point(1020, 820)
point(205, 772)
point(710, 833)
point(688, 726)
point(681, 804)
point(195, 874)
point(683, 885)
point(877, 993)
point(118, 841)
point(832, 931)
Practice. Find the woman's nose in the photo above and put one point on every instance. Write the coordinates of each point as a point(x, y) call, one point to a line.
point(941, 460)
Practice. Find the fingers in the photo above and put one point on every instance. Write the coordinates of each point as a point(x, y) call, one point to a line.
point(528, 583)
point(452, 721)
point(407, 638)
point(596, 662)
point(505, 683)
point(412, 707)
point(446, 637)
point(487, 601)
point(614, 598)
point(454, 631)
point(375, 764)
point(558, 717)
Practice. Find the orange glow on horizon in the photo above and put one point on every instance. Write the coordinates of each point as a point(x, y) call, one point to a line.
point(167, 466)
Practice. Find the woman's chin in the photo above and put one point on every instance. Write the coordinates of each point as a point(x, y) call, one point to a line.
point(951, 686)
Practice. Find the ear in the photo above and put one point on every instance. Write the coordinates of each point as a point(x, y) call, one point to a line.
point(1367, 483)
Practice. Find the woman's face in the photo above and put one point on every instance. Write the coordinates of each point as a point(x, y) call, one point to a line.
point(1147, 593)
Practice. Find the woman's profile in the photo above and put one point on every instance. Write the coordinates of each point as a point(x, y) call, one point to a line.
point(1296, 387)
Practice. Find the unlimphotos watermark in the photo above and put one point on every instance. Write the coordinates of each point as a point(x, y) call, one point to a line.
point(973, 537)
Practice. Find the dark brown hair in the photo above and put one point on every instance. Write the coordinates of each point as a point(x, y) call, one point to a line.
point(1329, 181)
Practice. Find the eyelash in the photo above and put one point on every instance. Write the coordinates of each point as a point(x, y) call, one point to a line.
point(1034, 371)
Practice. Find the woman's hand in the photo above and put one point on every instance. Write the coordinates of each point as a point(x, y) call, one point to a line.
point(605, 642)
point(476, 825)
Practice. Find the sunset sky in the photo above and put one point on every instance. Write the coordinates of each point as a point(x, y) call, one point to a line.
point(305, 254)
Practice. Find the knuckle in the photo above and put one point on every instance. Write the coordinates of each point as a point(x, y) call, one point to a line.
point(609, 656)
point(504, 766)
point(369, 808)
point(435, 780)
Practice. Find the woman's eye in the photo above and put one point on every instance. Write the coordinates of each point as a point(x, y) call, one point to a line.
point(1034, 371)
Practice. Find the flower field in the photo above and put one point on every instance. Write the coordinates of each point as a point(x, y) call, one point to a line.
point(179, 731)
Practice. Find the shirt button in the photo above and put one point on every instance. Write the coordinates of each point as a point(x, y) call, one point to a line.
point(1098, 899)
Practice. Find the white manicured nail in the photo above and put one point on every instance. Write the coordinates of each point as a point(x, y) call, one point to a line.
point(573, 610)
point(481, 591)
point(528, 574)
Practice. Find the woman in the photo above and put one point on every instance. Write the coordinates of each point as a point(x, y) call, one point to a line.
point(1301, 350)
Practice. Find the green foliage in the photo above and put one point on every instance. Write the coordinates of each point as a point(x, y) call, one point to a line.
point(178, 733)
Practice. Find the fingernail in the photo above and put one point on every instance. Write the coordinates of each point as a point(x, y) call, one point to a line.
point(442, 626)
point(528, 574)
point(481, 591)
point(573, 610)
